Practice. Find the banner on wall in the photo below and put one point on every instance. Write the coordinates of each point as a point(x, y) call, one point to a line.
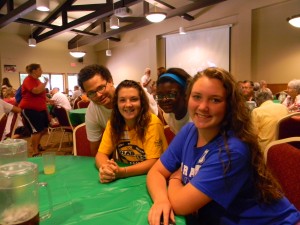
point(10, 68)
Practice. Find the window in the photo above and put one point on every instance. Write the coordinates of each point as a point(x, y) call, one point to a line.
point(72, 81)
point(57, 80)
point(24, 75)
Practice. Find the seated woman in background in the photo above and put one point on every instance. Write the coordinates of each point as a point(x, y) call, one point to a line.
point(171, 98)
point(292, 101)
point(9, 96)
point(214, 167)
point(133, 135)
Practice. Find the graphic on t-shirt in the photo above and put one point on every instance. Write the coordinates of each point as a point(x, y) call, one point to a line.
point(189, 173)
point(130, 153)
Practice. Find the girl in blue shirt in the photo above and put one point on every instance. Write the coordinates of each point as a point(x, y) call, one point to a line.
point(214, 167)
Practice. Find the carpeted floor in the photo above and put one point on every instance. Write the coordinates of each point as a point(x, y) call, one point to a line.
point(67, 144)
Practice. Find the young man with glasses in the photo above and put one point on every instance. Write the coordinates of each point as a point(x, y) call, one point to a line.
point(97, 82)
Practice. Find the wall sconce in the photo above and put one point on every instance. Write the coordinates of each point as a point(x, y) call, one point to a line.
point(42, 5)
point(156, 17)
point(294, 20)
point(108, 51)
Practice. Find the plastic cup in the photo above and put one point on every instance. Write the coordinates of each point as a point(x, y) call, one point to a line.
point(49, 162)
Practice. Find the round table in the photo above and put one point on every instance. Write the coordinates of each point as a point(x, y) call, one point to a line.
point(77, 116)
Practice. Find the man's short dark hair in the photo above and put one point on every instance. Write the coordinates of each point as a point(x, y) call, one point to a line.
point(90, 71)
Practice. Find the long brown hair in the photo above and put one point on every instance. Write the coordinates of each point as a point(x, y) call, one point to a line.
point(116, 119)
point(237, 120)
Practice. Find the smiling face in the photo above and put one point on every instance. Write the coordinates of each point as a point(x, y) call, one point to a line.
point(169, 97)
point(207, 104)
point(129, 105)
point(104, 95)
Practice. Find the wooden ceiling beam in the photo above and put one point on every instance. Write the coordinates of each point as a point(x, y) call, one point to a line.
point(17, 13)
point(143, 22)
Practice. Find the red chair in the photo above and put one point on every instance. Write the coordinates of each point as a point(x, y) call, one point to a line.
point(63, 118)
point(13, 124)
point(168, 133)
point(81, 145)
point(283, 159)
point(75, 105)
point(82, 104)
point(3, 119)
point(289, 126)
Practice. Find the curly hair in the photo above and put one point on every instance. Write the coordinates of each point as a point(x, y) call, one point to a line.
point(237, 120)
point(90, 71)
point(116, 119)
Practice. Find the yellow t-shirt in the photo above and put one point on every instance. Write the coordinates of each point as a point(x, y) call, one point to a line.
point(132, 150)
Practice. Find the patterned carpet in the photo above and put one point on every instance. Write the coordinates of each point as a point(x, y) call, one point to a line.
point(67, 144)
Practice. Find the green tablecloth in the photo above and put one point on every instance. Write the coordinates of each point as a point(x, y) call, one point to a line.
point(79, 198)
point(77, 116)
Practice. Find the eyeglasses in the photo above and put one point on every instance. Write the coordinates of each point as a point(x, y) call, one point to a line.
point(246, 87)
point(100, 89)
point(166, 96)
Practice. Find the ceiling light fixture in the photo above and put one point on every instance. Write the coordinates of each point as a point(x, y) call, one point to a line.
point(182, 30)
point(156, 17)
point(114, 20)
point(42, 5)
point(294, 20)
point(108, 51)
point(31, 40)
point(77, 53)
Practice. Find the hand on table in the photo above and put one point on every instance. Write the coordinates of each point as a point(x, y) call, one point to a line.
point(161, 213)
point(109, 172)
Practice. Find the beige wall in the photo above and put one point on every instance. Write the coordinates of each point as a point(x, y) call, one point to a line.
point(263, 44)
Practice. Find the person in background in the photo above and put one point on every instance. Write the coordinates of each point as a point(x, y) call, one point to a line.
point(6, 83)
point(265, 118)
point(214, 167)
point(33, 104)
point(264, 87)
point(48, 94)
point(96, 81)
point(133, 135)
point(146, 80)
point(59, 99)
point(7, 108)
point(171, 98)
point(248, 90)
point(9, 96)
point(292, 101)
point(160, 70)
point(76, 93)
point(249, 94)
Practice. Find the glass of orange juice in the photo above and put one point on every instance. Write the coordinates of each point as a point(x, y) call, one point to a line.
point(49, 162)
